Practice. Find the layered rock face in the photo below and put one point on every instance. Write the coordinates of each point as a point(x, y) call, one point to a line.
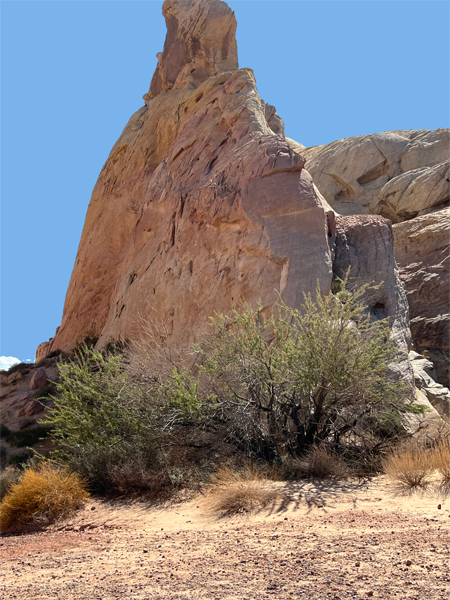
point(404, 176)
point(422, 249)
point(396, 174)
point(203, 201)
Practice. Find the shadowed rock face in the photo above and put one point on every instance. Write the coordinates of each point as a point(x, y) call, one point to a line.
point(422, 249)
point(403, 175)
point(203, 201)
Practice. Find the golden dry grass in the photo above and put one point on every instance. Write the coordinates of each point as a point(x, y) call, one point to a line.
point(410, 467)
point(440, 460)
point(232, 492)
point(320, 462)
point(40, 497)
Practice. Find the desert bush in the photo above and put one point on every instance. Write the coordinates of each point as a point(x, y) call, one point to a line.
point(410, 466)
point(41, 497)
point(248, 490)
point(19, 368)
point(8, 476)
point(118, 431)
point(320, 462)
point(295, 379)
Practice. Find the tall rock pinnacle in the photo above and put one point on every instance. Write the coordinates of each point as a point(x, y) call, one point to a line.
point(203, 201)
point(200, 43)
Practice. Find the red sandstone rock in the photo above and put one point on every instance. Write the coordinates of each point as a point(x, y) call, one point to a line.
point(38, 379)
point(203, 201)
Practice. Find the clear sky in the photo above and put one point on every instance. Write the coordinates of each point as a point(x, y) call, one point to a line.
point(73, 72)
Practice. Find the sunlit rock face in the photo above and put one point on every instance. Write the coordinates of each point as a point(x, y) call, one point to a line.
point(203, 201)
point(404, 176)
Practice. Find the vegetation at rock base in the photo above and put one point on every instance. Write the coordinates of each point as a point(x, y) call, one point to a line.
point(295, 379)
point(40, 497)
point(246, 490)
point(301, 389)
point(122, 433)
point(415, 466)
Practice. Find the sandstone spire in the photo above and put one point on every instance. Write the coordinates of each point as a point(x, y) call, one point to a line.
point(203, 201)
point(200, 43)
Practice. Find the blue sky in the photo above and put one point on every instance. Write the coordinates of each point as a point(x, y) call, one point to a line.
point(73, 72)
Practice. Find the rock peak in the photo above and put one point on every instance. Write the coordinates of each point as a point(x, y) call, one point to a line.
point(200, 42)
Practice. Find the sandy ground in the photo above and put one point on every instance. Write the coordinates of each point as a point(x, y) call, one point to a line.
point(323, 541)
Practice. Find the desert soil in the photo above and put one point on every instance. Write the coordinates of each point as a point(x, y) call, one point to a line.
point(322, 541)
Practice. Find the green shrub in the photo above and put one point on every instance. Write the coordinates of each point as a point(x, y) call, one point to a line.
point(118, 432)
point(295, 379)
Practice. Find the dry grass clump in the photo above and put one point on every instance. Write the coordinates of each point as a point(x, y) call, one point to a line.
point(440, 459)
point(232, 492)
point(40, 497)
point(322, 463)
point(8, 477)
point(410, 466)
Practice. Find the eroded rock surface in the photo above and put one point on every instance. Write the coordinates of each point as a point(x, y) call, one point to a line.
point(203, 201)
point(397, 174)
point(404, 176)
point(422, 250)
point(425, 380)
point(25, 392)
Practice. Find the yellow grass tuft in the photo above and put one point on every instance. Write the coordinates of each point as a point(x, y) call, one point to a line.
point(320, 462)
point(233, 492)
point(440, 460)
point(410, 467)
point(40, 497)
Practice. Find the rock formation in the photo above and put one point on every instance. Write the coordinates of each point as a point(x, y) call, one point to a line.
point(422, 250)
point(397, 174)
point(404, 176)
point(25, 392)
point(203, 200)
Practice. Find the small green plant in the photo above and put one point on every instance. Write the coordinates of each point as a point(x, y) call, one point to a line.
point(21, 460)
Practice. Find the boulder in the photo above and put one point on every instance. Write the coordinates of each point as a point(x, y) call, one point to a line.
point(38, 379)
point(425, 380)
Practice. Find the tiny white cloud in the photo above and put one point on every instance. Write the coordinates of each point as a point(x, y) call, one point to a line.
point(8, 361)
